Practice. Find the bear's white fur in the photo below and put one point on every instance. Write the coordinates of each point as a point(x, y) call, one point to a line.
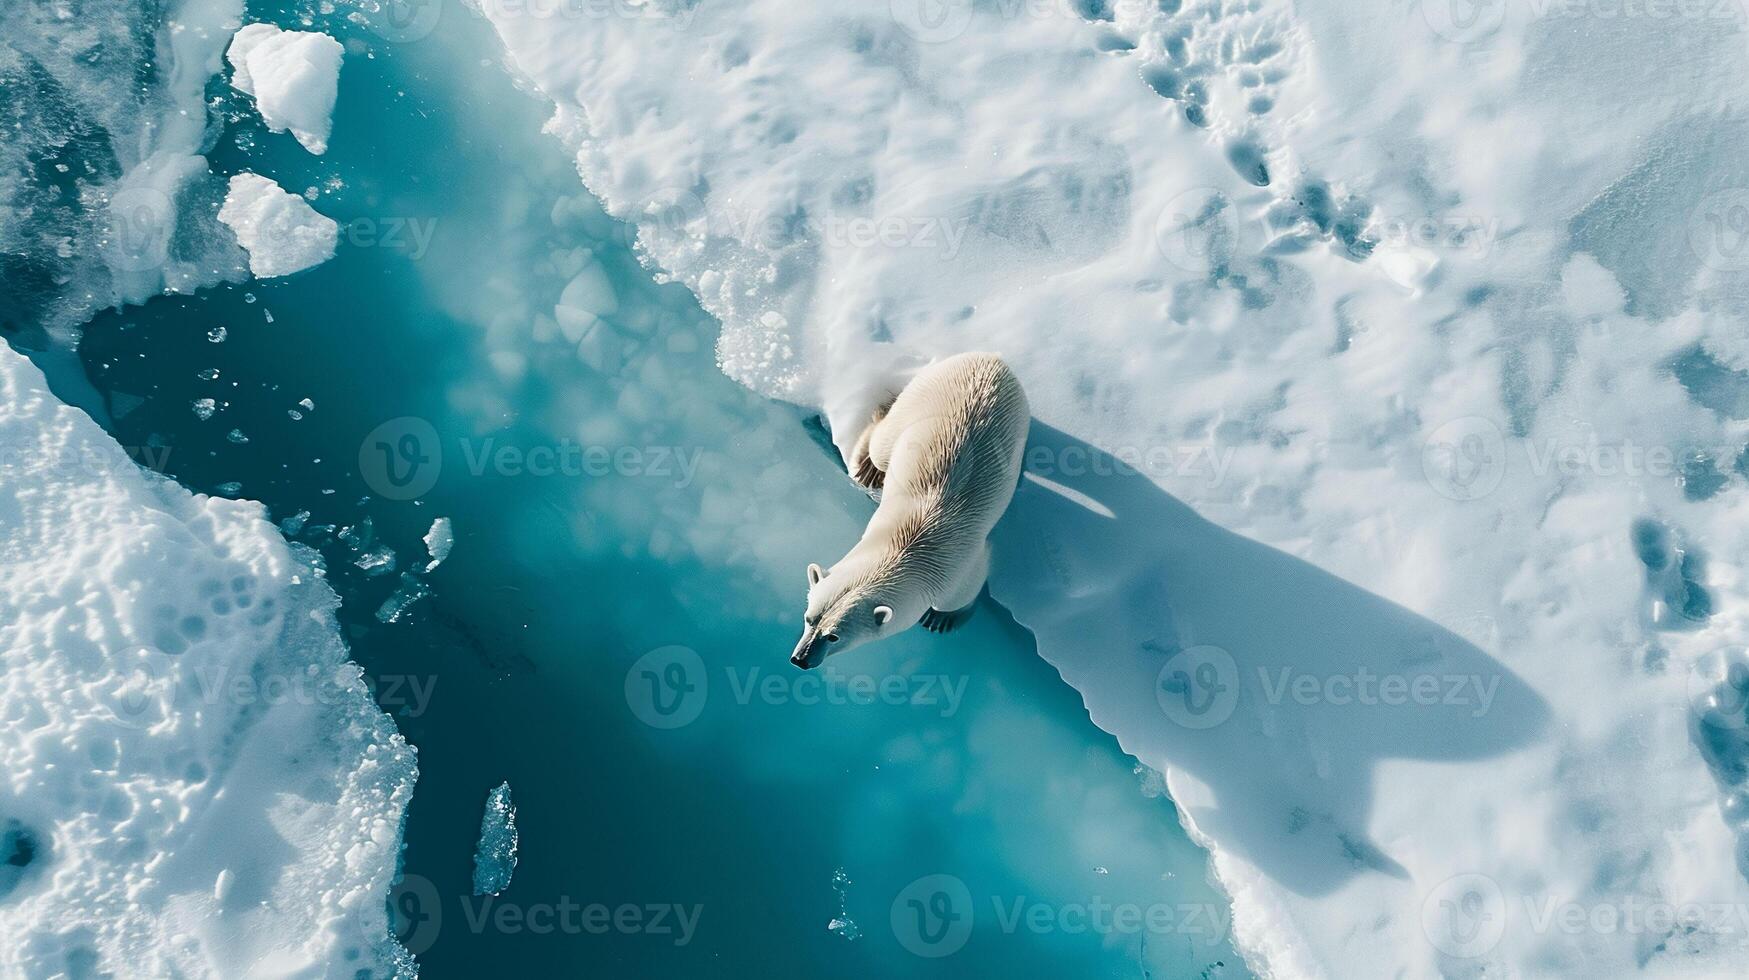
point(946, 456)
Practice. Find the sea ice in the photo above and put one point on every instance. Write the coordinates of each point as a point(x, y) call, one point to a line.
point(438, 541)
point(198, 782)
point(294, 76)
point(495, 856)
point(279, 229)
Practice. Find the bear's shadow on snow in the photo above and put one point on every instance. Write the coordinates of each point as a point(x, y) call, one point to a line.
point(1127, 590)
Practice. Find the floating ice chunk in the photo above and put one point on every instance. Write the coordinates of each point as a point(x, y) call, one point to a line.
point(438, 541)
point(294, 76)
point(279, 230)
point(396, 606)
point(376, 561)
point(495, 856)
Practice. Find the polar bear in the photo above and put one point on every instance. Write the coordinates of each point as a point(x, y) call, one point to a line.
point(945, 456)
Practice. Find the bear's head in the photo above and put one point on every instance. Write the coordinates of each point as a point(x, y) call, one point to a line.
point(845, 610)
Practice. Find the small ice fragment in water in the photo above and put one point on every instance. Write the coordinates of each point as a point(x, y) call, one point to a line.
point(377, 561)
point(237, 436)
point(396, 606)
point(210, 374)
point(842, 923)
point(306, 404)
point(204, 408)
point(1100, 870)
point(495, 857)
point(438, 541)
point(359, 536)
point(216, 335)
point(293, 524)
point(296, 416)
point(230, 489)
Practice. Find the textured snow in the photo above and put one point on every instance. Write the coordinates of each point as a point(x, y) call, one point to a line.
point(1366, 345)
point(294, 76)
point(196, 781)
point(495, 854)
point(279, 229)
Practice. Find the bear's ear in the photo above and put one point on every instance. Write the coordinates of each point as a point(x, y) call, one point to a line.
point(882, 614)
point(815, 573)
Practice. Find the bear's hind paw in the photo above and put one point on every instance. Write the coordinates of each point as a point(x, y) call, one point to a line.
point(869, 475)
point(936, 621)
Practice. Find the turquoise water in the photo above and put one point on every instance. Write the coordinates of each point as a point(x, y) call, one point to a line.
point(610, 634)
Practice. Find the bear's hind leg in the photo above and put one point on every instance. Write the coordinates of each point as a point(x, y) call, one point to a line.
point(862, 466)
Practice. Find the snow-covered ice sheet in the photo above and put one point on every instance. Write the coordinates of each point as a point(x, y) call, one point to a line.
point(1387, 486)
point(196, 781)
point(279, 229)
point(294, 76)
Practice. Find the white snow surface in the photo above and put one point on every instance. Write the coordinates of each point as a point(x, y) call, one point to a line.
point(1419, 327)
point(198, 781)
point(294, 76)
point(279, 229)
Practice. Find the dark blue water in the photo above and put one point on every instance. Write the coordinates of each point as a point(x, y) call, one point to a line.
point(611, 631)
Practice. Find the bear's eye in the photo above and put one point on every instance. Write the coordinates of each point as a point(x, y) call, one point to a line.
point(831, 637)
